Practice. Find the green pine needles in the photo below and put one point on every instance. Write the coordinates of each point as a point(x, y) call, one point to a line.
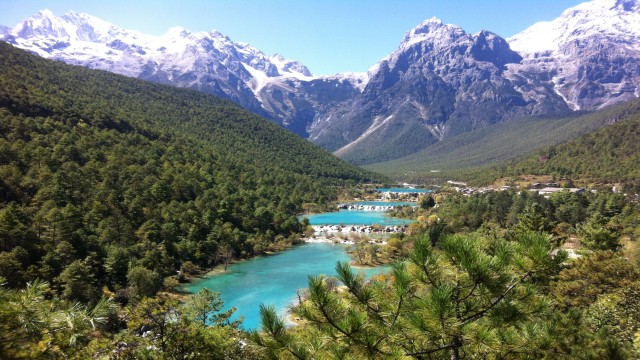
point(470, 296)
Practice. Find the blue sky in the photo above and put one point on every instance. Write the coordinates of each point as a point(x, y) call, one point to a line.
point(328, 36)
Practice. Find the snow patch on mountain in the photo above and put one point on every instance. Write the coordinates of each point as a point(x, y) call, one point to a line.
point(358, 80)
point(377, 123)
point(280, 89)
point(609, 18)
point(86, 40)
point(433, 30)
point(589, 55)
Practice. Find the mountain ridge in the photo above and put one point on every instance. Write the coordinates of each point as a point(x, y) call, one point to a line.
point(206, 61)
point(441, 81)
point(590, 53)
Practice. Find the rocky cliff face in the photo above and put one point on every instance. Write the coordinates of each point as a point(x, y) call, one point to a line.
point(297, 103)
point(440, 81)
point(590, 55)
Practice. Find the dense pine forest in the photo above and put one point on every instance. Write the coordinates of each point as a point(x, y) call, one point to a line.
point(501, 275)
point(111, 186)
point(582, 143)
point(608, 155)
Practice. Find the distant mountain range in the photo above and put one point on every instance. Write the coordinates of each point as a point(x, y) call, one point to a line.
point(272, 86)
point(440, 82)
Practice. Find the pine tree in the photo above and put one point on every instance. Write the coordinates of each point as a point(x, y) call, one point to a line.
point(473, 296)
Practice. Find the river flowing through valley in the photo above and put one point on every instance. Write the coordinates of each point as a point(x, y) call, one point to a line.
point(275, 279)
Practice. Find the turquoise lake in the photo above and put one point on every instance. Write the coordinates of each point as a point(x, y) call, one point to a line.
point(273, 279)
point(355, 217)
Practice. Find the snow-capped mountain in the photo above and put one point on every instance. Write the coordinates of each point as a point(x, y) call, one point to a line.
point(206, 61)
point(442, 81)
point(590, 54)
point(618, 20)
point(439, 82)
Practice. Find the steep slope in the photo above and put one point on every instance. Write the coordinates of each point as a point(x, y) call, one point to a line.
point(499, 143)
point(298, 102)
point(146, 106)
point(441, 81)
point(610, 154)
point(208, 62)
point(589, 55)
point(116, 175)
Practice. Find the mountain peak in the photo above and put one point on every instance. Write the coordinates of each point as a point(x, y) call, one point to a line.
point(178, 31)
point(433, 21)
point(425, 27)
point(44, 23)
point(430, 29)
point(44, 13)
point(49, 28)
point(619, 19)
point(590, 52)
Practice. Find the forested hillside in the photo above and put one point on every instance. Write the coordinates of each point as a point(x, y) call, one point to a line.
point(610, 154)
point(500, 275)
point(503, 142)
point(103, 176)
